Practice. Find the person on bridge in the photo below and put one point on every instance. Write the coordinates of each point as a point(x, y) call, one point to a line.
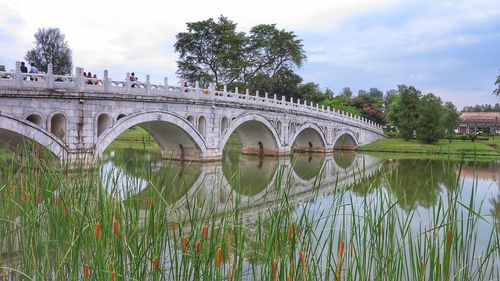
point(133, 79)
point(24, 69)
point(89, 81)
point(96, 81)
point(34, 70)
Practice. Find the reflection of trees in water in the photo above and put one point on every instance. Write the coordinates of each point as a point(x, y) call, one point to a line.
point(248, 175)
point(418, 182)
point(168, 179)
point(307, 166)
point(495, 208)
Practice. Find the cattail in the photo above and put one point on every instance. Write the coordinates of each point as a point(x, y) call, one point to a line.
point(113, 276)
point(115, 227)
point(352, 249)
point(422, 269)
point(274, 269)
point(98, 232)
point(198, 246)
point(219, 257)
point(86, 271)
point(302, 256)
point(65, 211)
point(185, 242)
point(111, 266)
point(205, 231)
point(156, 264)
point(341, 249)
point(288, 278)
point(149, 202)
point(290, 232)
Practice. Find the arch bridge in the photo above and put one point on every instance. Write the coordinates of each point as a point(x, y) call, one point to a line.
point(77, 118)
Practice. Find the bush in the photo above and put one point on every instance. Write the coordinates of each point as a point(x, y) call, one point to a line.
point(391, 134)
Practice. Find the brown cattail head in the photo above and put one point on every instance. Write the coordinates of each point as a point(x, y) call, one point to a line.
point(185, 242)
point(274, 269)
point(149, 202)
point(86, 271)
point(65, 211)
point(449, 236)
point(219, 257)
point(115, 227)
point(302, 256)
point(341, 250)
point(113, 276)
point(98, 232)
point(290, 232)
point(205, 231)
point(198, 246)
point(156, 263)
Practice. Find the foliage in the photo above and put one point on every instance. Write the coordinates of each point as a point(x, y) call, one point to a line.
point(497, 83)
point(482, 108)
point(215, 52)
point(451, 118)
point(341, 103)
point(404, 112)
point(370, 107)
point(346, 92)
point(430, 119)
point(51, 47)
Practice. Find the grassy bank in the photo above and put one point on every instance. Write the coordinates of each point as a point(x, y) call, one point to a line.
point(456, 149)
point(135, 138)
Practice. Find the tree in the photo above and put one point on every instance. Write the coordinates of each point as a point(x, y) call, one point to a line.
point(51, 47)
point(497, 90)
point(451, 118)
point(346, 92)
point(430, 119)
point(369, 107)
point(215, 52)
point(376, 93)
point(404, 111)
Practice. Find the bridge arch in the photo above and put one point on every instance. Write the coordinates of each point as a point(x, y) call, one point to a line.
point(14, 131)
point(257, 135)
point(35, 118)
point(345, 140)
point(103, 121)
point(57, 125)
point(178, 139)
point(309, 138)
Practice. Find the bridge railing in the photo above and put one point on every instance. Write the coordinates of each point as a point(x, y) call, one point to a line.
point(105, 85)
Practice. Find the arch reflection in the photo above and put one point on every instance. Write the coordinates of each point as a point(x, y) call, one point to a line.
point(307, 167)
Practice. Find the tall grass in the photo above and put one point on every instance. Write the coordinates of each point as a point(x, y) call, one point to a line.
point(58, 223)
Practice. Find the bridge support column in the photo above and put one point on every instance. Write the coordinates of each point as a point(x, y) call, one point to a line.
point(80, 158)
point(309, 149)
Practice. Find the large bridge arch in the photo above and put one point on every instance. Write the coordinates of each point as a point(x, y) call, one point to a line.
point(177, 138)
point(345, 140)
point(14, 132)
point(257, 135)
point(308, 138)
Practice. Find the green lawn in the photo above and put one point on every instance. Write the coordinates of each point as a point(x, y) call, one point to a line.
point(135, 137)
point(488, 148)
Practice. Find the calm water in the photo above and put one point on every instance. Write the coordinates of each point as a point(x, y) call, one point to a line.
point(416, 185)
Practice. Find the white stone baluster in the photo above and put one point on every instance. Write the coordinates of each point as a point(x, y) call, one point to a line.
point(165, 85)
point(79, 82)
point(148, 85)
point(127, 83)
point(283, 101)
point(266, 95)
point(275, 97)
point(50, 77)
point(106, 81)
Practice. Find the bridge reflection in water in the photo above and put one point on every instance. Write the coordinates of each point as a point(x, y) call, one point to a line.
point(252, 179)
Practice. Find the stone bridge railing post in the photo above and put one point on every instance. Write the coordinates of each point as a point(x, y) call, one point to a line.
point(106, 81)
point(283, 101)
point(79, 79)
point(128, 84)
point(148, 84)
point(19, 77)
point(50, 77)
point(165, 84)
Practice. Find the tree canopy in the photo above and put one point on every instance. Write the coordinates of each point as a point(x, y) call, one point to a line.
point(214, 51)
point(497, 83)
point(51, 47)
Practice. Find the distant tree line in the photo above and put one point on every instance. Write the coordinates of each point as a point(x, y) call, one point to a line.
point(482, 108)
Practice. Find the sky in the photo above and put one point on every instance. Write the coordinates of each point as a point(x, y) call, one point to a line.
point(449, 48)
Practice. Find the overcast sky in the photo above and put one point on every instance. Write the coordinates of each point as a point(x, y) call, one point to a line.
point(450, 48)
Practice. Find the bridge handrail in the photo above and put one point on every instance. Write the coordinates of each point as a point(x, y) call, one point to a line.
point(80, 83)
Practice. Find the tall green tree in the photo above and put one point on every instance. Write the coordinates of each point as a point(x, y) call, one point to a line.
point(497, 83)
point(346, 92)
point(213, 51)
point(51, 48)
point(404, 111)
point(451, 118)
point(430, 119)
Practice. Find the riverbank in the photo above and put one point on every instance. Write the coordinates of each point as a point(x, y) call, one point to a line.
point(457, 148)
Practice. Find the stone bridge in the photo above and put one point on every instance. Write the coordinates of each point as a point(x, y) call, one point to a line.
point(77, 118)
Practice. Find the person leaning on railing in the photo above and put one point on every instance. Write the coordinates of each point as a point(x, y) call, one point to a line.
point(33, 70)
